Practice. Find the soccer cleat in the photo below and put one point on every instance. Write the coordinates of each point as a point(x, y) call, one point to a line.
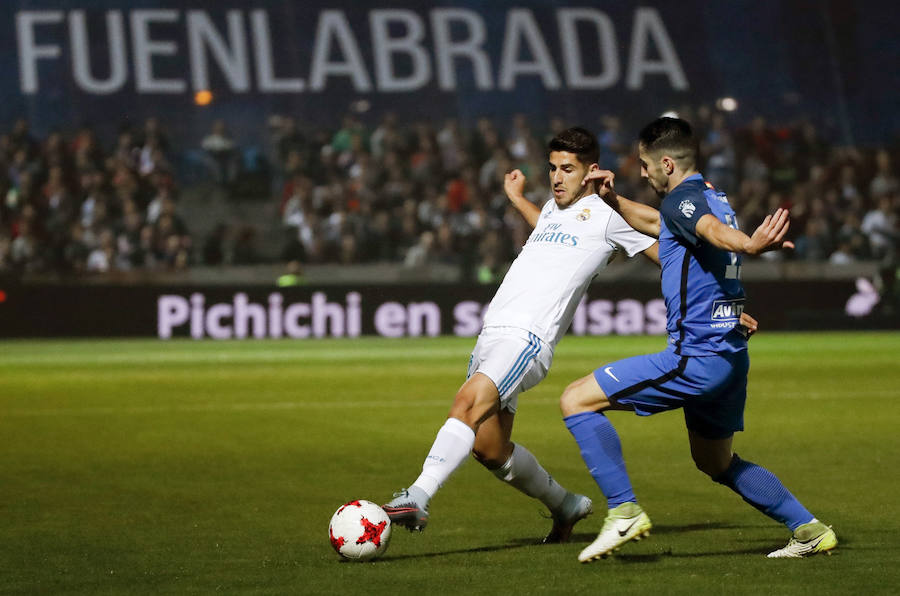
point(404, 510)
point(573, 509)
point(809, 539)
point(623, 523)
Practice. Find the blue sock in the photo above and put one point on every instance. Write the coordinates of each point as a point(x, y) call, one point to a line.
point(762, 489)
point(602, 452)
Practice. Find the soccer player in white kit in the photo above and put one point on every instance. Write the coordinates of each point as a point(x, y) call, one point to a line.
point(575, 235)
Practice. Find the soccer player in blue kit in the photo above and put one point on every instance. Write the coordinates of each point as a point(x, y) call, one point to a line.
point(704, 368)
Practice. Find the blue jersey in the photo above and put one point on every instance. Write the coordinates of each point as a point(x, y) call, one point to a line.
point(700, 283)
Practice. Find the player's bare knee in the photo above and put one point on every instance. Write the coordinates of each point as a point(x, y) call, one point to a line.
point(580, 397)
point(462, 406)
point(567, 401)
point(472, 409)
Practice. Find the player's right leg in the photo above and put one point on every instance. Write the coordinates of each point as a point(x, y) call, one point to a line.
point(515, 465)
point(475, 401)
point(582, 405)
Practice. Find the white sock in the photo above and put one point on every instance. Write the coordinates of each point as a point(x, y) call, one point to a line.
point(451, 447)
point(523, 472)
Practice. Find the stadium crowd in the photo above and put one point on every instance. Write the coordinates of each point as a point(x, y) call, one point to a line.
point(68, 205)
point(425, 193)
point(415, 193)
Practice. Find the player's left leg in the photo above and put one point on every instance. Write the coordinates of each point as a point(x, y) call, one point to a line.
point(711, 424)
point(756, 485)
point(763, 490)
point(515, 465)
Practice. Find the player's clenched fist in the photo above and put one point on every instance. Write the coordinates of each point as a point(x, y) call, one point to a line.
point(514, 183)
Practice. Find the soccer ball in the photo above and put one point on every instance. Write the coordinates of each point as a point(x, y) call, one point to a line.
point(360, 530)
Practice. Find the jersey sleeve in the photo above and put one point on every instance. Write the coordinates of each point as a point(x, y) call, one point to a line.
point(681, 212)
point(622, 236)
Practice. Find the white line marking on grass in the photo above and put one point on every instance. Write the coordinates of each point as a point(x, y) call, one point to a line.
point(334, 404)
point(236, 407)
point(299, 356)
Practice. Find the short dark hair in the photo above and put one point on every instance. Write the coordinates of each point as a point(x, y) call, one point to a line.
point(672, 135)
point(579, 141)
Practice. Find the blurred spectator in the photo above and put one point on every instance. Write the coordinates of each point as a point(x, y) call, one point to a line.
point(102, 258)
point(20, 166)
point(880, 225)
point(885, 181)
point(25, 250)
point(717, 149)
point(20, 139)
point(245, 251)
point(350, 133)
point(520, 137)
point(487, 273)
point(843, 255)
point(421, 253)
point(75, 252)
point(452, 147)
point(221, 151)
point(293, 276)
point(214, 245)
point(288, 138)
point(154, 133)
point(151, 156)
point(86, 150)
point(814, 244)
point(126, 151)
point(851, 236)
point(385, 137)
point(425, 160)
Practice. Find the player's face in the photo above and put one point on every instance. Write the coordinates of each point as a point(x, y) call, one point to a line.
point(566, 174)
point(652, 170)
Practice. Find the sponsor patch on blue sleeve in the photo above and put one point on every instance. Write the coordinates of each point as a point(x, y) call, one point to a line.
point(681, 211)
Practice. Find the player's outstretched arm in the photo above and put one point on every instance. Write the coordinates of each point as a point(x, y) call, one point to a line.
point(768, 236)
point(514, 186)
point(643, 218)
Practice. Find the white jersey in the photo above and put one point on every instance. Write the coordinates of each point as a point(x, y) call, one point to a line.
point(567, 248)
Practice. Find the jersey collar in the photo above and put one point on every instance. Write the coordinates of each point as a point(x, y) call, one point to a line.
point(692, 178)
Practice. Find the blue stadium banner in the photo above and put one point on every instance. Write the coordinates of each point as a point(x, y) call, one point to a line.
point(109, 61)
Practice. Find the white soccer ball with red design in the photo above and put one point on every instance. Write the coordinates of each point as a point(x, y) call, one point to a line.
point(360, 530)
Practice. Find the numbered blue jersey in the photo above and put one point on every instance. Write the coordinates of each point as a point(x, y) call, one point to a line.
point(701, 284)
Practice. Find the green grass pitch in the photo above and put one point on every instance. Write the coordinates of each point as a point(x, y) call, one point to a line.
point(194, 467)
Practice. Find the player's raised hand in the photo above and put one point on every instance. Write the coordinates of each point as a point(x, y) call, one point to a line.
point(770, 234)
point(603, 182)
point(514, 184)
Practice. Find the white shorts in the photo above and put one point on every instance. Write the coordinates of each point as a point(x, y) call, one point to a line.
point(514, 359)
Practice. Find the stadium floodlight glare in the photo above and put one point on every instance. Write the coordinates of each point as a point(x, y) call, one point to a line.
point(203, 97)
point(727, 104)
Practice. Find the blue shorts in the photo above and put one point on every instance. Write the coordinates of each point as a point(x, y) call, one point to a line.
point(711, 389)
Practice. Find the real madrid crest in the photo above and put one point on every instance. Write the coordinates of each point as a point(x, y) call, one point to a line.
point(584, 215)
